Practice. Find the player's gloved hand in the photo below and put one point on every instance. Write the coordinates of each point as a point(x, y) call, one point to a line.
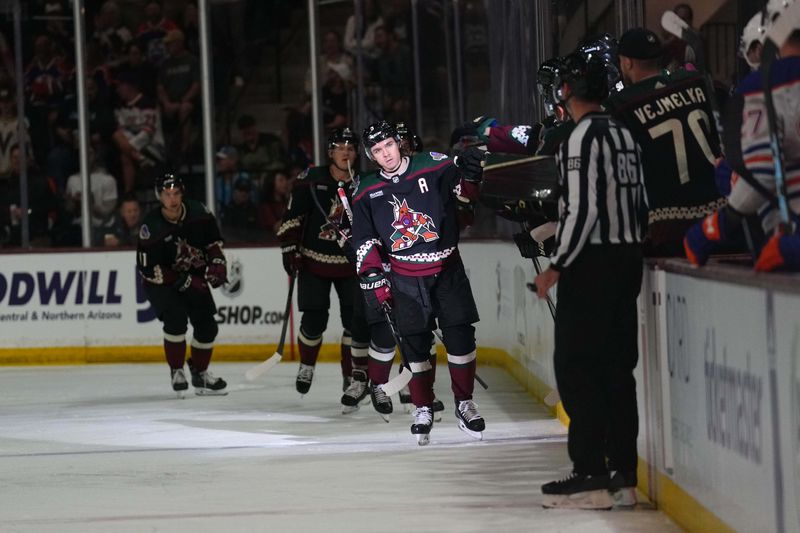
point(217, 272)
point(192, 282)
point(703, 237)
point(376, 290)
point(471, 162)
point(472, 131)
point(780, 251)
point(292, 260)
point(481, 124)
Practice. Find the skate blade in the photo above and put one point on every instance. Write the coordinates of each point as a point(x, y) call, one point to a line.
point(624, 497)
point(349, 409)
point(209, 392)
point(180, 394)
point(477, 435)
point(423, 439)
point(407, 408)
point(592, 500)
point(437, 417)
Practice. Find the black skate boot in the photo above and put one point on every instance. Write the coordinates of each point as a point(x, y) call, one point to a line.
point(622, 487)
point(179, 383)
point(206, 384)
point(356, 392)
point(305, 374)
point(578, 491)
point(469, 419)
point(346, 381)
point(380, 401)
point(437, 406)
point(423, 422)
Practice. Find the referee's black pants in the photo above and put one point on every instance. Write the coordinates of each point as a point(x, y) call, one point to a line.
point(595, 354)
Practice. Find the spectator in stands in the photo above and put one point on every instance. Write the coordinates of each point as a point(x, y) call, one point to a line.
point(45, 83)
point(63, 158)
point(676, 52)
point(111, 34)
point(240, 216)
point(9, 130)
point(42, 204)
point(54, 15)
point(137, 67)
point(273, 204)
point(97, 69)
point(393, 73)
point(259, 152)
point(178, 88)
point(152, 32)
point(138, 135)
point(124, 230)
point(333, 57)
point(228, 174)
point(103, 198)
point(191, 29)
point(335, 98)
point(6, 60)
point(227, 26)
point(372, 20)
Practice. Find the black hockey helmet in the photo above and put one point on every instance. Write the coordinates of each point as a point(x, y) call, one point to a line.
point(342, 136)
point(405, 133)
point(377, 132)
point(606, 47)
point(586, 75)
point(169, 181)
point(545, 77)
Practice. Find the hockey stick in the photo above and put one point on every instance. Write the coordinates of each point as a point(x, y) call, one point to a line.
point(477, 377)
point(678, 27)
point(775, 39)
point(262, 368)
point(397, 383)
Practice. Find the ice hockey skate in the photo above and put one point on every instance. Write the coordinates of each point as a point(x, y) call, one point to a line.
point(305, 374)
point(469, 419)
point(423, 422)
point(356, 391)
point(622, 487)
point(179, 383)
point(206, 384)
point(381, 402)
point(578, 491)
point(437, 406)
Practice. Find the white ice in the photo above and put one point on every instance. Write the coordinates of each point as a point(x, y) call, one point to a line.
point(100, 448)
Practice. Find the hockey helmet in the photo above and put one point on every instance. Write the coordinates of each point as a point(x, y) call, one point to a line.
point(586, 75)
point(753, 32)
point(606, 47)
point(377, 132)
point(342, 136)
point(405, 133)
point(545, 77)
point(169, 181)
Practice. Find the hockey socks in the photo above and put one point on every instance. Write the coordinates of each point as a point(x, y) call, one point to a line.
point(462, 374)
point(421, 384)
point(175, 350)
point(309, 348)
point(201, 356)
point(380, 363)
point(347, 354)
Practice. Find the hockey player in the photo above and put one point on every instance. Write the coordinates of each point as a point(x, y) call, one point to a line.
point(603, 214)
point(179, 256)
point(310, 249)
point(672, 120)
point(754, 193)
point(406, 212)
point(410, 143)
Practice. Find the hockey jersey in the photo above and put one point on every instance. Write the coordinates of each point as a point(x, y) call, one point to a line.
point(311, 222)
point(168, 249)
point(410, 217)
point(755, 146)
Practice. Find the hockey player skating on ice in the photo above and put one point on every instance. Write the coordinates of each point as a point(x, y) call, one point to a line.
point(310, 248)
point(179, 256)
point(406, 211)
point(598, 266)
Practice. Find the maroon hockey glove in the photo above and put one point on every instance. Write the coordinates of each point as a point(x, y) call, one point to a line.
point(217, 272)
point(376, 290)
point(292, 260)
point(470, 162)
point(188, 281)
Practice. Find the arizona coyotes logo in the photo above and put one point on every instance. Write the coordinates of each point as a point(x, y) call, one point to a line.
point(410, 225)
point(327, 232)
point(187, 257)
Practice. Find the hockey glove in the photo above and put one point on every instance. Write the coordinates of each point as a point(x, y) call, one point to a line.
point(471, 162)
point(481, 124)
point(780, 251)
point(376, 290)
point(188, 281)
point(703, 238)
point(292, 260)
point(217, 272)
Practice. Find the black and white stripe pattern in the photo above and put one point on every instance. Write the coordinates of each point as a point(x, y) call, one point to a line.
point(603, 200)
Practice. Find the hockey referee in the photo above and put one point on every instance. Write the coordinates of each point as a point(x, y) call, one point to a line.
point(598, 266)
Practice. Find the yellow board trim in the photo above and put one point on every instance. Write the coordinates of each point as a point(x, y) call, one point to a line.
point(671, 499)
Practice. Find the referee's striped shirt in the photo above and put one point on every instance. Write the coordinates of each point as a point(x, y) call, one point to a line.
point(603, 200)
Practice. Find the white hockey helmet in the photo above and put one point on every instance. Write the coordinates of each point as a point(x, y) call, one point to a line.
point(753, 32)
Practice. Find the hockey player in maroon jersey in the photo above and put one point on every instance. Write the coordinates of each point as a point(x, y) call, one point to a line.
point(406, 212)
point(309, 243)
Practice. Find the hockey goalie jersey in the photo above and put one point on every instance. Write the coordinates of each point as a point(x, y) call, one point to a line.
point(410, 217)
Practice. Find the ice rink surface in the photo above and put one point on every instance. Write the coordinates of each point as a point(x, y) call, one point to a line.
point(98, 448)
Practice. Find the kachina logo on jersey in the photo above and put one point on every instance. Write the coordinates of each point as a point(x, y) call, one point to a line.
point(410, 226)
